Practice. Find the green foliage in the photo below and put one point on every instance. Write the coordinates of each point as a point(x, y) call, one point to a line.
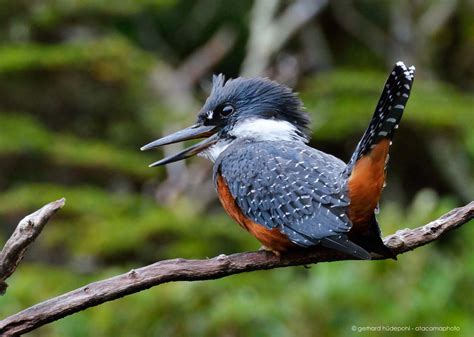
point(344, 99)
point(109, 59)
point(114, 225)
point(23, 135)
point(50, 12)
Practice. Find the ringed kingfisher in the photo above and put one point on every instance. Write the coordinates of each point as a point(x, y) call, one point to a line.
point(284, 192)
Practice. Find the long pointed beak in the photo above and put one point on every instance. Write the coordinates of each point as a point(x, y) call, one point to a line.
point(192, 132)
point(188, 152)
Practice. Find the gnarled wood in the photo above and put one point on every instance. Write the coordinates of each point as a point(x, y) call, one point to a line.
point(25, 233)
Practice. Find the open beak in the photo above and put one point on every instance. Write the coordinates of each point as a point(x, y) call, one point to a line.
point(193, 132)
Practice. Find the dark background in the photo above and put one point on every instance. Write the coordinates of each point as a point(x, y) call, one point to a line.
point(84, 84)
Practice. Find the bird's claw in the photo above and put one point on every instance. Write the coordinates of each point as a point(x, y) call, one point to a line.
point(273, 251)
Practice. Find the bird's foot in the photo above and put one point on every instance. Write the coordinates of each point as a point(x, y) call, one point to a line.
point(273, 251)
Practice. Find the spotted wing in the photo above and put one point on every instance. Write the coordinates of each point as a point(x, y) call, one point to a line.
point(292, 187)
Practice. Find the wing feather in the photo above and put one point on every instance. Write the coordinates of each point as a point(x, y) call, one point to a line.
point(289, 186)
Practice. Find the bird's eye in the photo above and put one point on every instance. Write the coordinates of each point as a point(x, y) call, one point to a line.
point(226, 110)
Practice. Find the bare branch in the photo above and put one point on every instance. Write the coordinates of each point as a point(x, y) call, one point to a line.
point(268, 34)
point(25, 233)
point(221, 266)
point(409, 239)
point(436, 16)
point(206, 57)
point(360, 27)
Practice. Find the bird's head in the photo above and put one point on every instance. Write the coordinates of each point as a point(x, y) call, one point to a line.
point(254, 108)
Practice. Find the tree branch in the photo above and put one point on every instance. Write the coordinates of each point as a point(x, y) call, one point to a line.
point(25, 233)
point(268, 34)
point(191, 270)
point(360, 27)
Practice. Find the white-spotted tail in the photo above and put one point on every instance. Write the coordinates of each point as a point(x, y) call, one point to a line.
point(388, 112)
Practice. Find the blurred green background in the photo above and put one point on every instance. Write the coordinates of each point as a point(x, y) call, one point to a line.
point(83, 84)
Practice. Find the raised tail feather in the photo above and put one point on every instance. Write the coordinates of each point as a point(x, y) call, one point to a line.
point(388, 112)
point(365, 171)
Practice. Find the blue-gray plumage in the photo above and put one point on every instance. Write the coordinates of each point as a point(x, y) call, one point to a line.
point(277, 187)
point(291, 187)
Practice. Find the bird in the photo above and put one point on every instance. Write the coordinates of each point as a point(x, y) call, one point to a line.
point(285, 193)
